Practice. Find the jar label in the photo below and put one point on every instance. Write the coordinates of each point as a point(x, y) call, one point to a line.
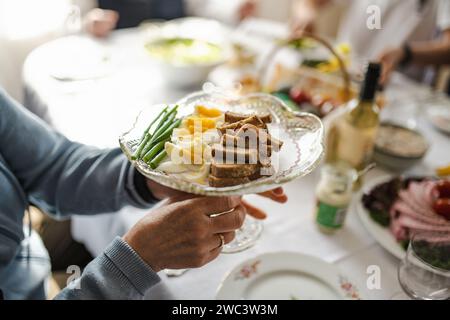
point(330, 216)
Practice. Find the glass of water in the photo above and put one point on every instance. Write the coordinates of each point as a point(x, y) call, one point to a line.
point(424, 272)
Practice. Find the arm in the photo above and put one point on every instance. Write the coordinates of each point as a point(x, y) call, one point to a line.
point(177, 236)
point(433, 52)
point(119, 273)
point(63, 177)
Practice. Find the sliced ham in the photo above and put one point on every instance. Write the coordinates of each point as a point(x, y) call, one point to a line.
point(412, 223)
point(416, 194)
point(412, 213)
point(405, 208)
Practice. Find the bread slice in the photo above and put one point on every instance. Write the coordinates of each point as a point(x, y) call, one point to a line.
point(223, 154)
point(254, 120)
point(226, 182)
point(223, 170)
point(231, 117)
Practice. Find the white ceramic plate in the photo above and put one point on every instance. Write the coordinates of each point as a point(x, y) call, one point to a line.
point(439, 115)
point(381, 234)
point(302, 134)
point(78, 59)
point(286, 276)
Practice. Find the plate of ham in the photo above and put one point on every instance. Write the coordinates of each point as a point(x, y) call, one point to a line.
point(394, 209)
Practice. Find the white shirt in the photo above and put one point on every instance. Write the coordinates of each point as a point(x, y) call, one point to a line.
point(401, 21)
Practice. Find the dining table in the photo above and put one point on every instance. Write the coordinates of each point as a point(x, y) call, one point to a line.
point(92, 89)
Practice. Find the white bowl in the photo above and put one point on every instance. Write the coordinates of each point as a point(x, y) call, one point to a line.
point(189, 75)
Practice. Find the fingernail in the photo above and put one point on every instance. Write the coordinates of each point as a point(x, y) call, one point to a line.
point(278, 190)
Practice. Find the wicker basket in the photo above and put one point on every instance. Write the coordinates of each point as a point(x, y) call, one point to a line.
point(339, 88)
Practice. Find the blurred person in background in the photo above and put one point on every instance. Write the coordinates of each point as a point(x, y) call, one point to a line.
point(396, 32)
point(116, 14)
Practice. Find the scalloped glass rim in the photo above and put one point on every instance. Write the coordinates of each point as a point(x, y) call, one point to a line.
point(302, 131)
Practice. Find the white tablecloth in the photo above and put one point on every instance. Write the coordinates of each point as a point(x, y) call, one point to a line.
point(97, 111)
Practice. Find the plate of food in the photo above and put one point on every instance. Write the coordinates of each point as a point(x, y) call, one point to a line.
point(213, 144)
point(394, 209)
point(286, 276)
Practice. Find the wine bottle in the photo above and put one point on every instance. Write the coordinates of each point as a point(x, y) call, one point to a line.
point(351, 135)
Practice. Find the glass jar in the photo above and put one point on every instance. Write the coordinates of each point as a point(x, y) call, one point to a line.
point(334, 194)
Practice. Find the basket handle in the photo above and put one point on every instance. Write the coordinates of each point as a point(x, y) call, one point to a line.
point(322, 41)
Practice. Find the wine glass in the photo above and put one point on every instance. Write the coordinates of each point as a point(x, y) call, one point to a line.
point(424, 272)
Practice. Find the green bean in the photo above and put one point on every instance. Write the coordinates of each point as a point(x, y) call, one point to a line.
point(164, 127)
point(165, 117)
point(157, 160)
point(141, 146)
point(150, 144)
point(162, 113)
point(168, 132)
point(146, 136)
point(153, 151)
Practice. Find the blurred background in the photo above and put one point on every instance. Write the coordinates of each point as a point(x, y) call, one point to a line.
point(26, 24)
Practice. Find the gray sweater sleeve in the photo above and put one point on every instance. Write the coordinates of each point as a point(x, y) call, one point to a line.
point(60, 176)
point(119, 273)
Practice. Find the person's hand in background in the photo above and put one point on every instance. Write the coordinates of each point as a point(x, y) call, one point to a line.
point(304, 16)
point(247, 9)
point(100, 23)
point(390, 59)
point(161, 192)
point(183, 235)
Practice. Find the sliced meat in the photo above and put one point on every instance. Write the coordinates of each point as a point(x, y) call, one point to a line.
point(406, 209)
point(226, 182)
point(235, 117)
point(399, 231)
point(412, 223)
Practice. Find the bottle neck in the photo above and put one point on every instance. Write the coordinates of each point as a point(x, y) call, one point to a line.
point(368, 92)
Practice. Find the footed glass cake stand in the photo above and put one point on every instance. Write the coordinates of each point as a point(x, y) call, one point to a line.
point(301, 133)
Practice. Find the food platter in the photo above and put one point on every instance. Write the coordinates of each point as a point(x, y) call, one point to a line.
point(395, 209)
point(302, 134)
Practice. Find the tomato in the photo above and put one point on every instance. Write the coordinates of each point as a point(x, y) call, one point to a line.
point(299, 96)
point(443, 187)
point(442, 207)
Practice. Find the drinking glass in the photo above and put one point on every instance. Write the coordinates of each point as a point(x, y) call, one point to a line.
point(424, 272)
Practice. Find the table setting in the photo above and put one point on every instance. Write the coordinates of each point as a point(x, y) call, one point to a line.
point(167, 90)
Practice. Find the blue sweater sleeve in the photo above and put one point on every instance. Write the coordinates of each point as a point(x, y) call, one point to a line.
point(119, 273)
point(60, 176)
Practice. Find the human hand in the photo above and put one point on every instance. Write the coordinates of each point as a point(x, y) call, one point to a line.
point(161, 192)
point(247, 9)
point(304, 16)
point(100, 23)
point(390, 59)
point(276, 195)
point(183, 235)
